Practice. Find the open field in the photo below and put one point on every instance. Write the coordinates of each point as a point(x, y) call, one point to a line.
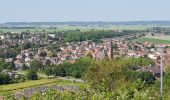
point(82, 28)
point(24, 72)
point(159, 37)
point(153, 39)
point(35, 83)
point(27, 84)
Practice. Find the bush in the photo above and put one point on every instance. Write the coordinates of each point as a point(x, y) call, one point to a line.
point(48, 72)
point(59, 71)
point(4, 79)
point(36, 65)
point(32, 75)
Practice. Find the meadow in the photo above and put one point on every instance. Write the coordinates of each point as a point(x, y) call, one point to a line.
point(153, 39)
point(82, 28)
point(36, 83)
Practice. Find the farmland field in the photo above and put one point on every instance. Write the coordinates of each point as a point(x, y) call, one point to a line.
point(34, 83)
point(26, 84)
point(82, 28)
point(153, 39)
point(159, 37)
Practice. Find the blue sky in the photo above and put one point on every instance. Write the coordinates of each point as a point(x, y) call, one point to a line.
point(84, 10)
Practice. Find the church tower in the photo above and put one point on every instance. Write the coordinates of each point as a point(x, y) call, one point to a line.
point(110, 50)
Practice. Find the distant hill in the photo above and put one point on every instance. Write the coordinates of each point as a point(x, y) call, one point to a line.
point(164, 23)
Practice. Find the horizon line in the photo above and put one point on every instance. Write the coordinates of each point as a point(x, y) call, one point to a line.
point(85, 21)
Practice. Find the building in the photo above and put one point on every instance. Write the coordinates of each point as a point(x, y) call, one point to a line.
point(110, 53)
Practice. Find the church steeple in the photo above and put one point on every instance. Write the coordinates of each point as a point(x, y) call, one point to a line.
point(110, 49)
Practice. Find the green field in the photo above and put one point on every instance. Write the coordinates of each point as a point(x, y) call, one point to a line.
point(27, 84)
point(153, 39)
point(24, 72)
point(34, 83)
point(82, 28)
point(167, 37)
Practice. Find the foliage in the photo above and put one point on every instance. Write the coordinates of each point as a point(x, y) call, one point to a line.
point(152, 40)
point(8, 95)
point(111, 80)
point(59, 71)
point(29, 83)
point(32, 75)
point(144, 76)
point(95, 35)
point(72, 69)
point(108, 74)
point(36, 65)
point(10, 53)
point(6, 65)
point(48, 72)
point(4, 79)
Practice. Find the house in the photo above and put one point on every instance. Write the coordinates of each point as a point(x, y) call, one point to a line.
point(152, 56)
point(155, 70)
point(18, 64)
point(9, 60)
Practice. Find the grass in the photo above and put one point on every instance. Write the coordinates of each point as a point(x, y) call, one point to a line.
point(35, 83)
point(167, 37)
point(27, 84)
point(24, 72)
point(152, 40)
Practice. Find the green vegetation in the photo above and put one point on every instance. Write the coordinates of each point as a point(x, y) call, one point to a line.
point(76, 69)
point(36, 65)
point(31, 83)
point(6, 65)
point(95, 35)
point(106, 75)
point(48, 72)
point(4, 79)
point(9, 53)
point(64, 28)
point(162, 40)
point(32, 75)
point(109, 80)
point(115, 80)
point(163, 37)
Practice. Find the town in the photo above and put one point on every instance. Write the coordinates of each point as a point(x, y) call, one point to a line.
point(68, 55)
point(84, 50)
point(35, 47)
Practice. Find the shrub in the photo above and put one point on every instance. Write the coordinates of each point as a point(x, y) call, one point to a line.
point(32, 75)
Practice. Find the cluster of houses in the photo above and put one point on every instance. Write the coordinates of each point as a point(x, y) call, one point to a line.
point(108, 48)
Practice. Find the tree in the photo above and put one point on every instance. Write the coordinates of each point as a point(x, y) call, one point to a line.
point(107, 75)
point(11, 66)
point(7, 65)
point(4, 79)
point(36, 65)
point(27, 46)
point(59, 71)
point(42, 53)
point(32, 75)
point(48, 72)
point(24, 67)
point(148, 77)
